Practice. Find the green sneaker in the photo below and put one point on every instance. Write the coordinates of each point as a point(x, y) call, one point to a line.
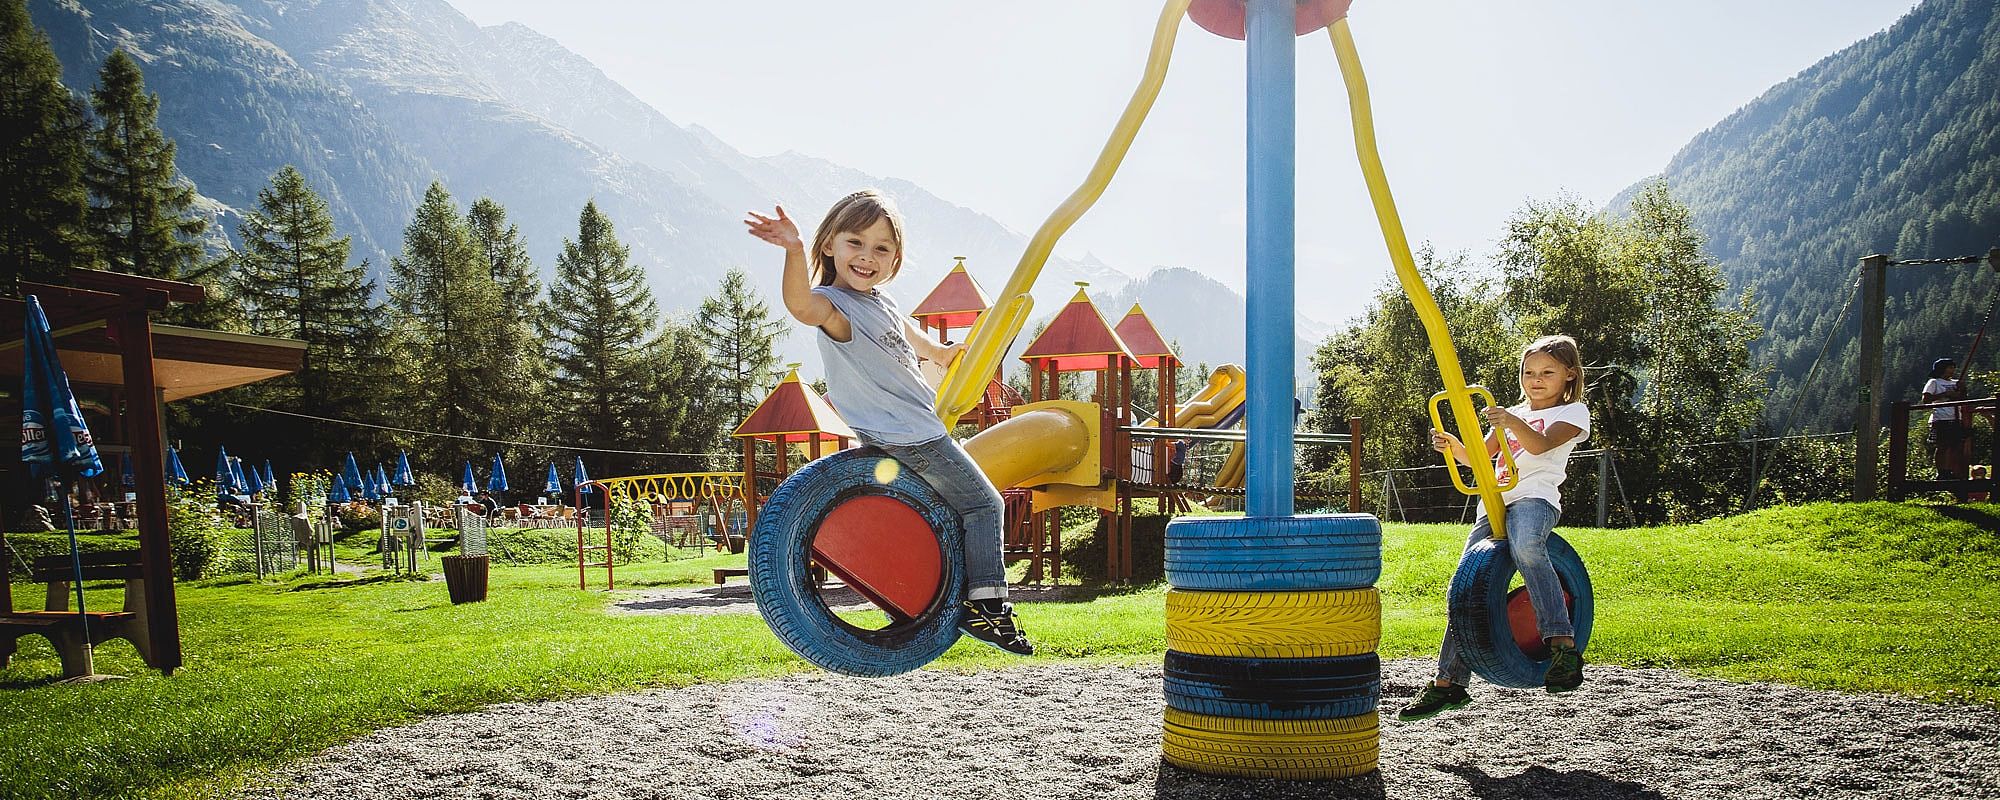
point(1433, 700)
point(1565, 670)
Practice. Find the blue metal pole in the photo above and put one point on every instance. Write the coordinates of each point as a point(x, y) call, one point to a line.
point(1270, 151)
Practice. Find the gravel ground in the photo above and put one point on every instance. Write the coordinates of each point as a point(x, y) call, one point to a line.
point(1073, 731)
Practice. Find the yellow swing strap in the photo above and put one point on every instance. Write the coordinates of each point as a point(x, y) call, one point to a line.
point(965, 381)
point(1486, 484)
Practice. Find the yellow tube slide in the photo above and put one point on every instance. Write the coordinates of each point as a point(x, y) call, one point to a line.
point(1216, 401)
point(1044, 443)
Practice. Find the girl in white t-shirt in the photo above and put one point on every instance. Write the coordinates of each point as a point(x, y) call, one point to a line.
point(1550, 421)
point(1947, 424)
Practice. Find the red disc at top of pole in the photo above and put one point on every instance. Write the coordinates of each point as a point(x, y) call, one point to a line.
point(1225, 17)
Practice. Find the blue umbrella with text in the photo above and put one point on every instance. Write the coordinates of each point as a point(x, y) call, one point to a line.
point(55, 442)
point(176, 474)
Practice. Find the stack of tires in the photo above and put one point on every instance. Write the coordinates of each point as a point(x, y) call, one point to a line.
point(1272, 626)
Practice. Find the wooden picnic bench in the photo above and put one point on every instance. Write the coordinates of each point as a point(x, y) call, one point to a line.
point(63, 627)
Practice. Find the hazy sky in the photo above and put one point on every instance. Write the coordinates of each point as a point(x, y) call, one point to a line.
point(1003, 106)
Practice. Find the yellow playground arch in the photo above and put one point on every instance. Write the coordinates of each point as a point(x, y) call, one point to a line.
point(708, 498)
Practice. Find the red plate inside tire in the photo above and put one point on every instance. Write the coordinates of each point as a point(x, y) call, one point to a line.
point(1521, 618)
point(885, 550)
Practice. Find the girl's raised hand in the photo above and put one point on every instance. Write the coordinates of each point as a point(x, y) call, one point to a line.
point(778, 230)
point(1498, 417)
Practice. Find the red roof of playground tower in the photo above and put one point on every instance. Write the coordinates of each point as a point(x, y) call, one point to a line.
point(956, 301)
point(1078, 339)
point(1138, 334)
point(792, 409)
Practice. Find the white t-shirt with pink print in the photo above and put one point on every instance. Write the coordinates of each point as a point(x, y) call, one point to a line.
point(1541, 475)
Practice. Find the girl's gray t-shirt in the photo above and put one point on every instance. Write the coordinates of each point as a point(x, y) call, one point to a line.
point(872, 378)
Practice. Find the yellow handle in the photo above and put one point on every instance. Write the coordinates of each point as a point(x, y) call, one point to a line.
point(1455, 389)
point(1506, 453)
point(965, 383)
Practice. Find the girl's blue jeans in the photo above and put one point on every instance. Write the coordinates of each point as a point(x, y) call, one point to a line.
point(1529, 523)
point(943, 464)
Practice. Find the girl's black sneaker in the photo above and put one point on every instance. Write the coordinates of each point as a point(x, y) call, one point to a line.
point(1433, 700)
point(991, 620)
point(1565, 670)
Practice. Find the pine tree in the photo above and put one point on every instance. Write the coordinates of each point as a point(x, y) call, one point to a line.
point(522, 371)
point(599, 324)
point(736, 326)
point(294, 281)
point(679, 420)
point(447, 314)
point(140, 210)
point(41, 156)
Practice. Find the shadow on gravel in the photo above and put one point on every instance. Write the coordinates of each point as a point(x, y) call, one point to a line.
point(1179, 784)
point(1537, 783)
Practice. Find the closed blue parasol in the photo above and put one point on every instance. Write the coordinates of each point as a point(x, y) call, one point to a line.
point(55, 442)
point(238, 484)
point(496, 481)
point(469, 482)
point(382, 483)
point(225, 476)
point(176, 474)
point(370, 491)
point(253, 483)
point(270, 478)
point(336, 491)
point(404, 477)
point(352, 473)
point(553, 485)
point(580, 477)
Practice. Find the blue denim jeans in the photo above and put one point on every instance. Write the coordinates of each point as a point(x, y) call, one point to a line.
point(943, 464)
point(1529, 523)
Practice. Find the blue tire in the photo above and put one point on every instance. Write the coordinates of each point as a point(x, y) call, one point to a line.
point(1478, 608)
point(1274, 688)
point(780, 553)
point(1313, 552)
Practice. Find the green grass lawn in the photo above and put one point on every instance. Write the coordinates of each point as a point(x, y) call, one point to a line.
point(1876, 597)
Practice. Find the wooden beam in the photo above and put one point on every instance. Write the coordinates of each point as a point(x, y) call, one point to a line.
point(148, 437)
point(120, 283)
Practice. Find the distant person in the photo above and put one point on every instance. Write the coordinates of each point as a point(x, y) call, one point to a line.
point(488, 506)
point(1948, 429)
point(1549, 422)
point(871, 349)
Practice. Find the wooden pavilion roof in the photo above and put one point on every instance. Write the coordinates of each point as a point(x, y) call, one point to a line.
point(793, 409)
point(187, 362)
point(1077, 339)
point(955, 303)
point(1137, 332)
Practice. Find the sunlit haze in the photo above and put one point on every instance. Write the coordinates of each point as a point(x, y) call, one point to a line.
point(1002, 107)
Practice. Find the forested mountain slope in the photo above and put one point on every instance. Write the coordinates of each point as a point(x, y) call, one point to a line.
point(1889, 146)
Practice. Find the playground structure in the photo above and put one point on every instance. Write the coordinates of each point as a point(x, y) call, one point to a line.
point(685, 509)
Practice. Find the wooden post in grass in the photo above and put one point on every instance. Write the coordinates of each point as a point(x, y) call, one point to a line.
point(1867, 419)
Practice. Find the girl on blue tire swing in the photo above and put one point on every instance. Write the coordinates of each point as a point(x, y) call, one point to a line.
point(870, 350)
point(1550, 421)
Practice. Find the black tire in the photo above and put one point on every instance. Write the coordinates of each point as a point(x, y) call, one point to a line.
point(1478, 608)
point(780, 555)
point(1273, 688)
point(1313, 552)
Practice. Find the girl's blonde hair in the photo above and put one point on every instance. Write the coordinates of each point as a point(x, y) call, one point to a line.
point(855, 213)
point(1563, 349)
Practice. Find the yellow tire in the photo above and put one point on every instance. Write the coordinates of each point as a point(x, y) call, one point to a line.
point(1274, 624)
point(1282, 749)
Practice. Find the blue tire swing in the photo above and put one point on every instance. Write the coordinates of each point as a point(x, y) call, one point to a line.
point(888, 536)
point(1495, 627)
